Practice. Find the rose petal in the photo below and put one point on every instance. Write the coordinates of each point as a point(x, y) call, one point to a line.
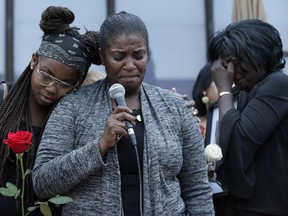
point(19, 142)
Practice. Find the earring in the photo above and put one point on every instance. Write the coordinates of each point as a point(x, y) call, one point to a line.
point(205, 98)
point(31, 67)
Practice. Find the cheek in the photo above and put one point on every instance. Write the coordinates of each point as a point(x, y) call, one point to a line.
point(142, 65)
point(238, 74)
point(142, 68)
point(35, 89)
point(112, 66)
point(34, 84)
point(111, 70)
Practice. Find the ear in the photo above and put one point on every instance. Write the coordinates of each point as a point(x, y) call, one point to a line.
point(33, 61)
point(101, 56)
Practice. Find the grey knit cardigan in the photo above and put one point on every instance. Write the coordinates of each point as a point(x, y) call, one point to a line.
point(174, 169)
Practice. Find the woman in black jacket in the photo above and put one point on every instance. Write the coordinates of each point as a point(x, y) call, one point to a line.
point(253, 137)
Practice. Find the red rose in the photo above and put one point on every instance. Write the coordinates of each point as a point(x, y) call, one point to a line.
point(19, 142)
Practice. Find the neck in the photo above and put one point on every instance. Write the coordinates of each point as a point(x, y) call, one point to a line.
point(133, 101)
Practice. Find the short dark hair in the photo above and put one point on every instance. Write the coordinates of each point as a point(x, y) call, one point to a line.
point(122, 23)
point(252, 40)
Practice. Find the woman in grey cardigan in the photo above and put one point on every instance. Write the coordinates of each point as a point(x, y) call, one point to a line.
point(86, 152)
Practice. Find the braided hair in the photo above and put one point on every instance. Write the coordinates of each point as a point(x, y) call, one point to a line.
point(16, 108)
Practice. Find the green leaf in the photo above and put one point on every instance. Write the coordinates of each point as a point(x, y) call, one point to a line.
point(10, 190)
point(17, 194)
point(28, 171)
point(11, 187)
point(60, 199)
point(5, 192)
point(32, 208)
point(45, 210)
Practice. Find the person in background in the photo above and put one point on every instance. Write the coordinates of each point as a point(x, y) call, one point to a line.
point(253, 137)
point(56, 69)
point(86, 153)
point(204, 94)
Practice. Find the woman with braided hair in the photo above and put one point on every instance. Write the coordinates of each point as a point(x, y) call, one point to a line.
point(57, 68)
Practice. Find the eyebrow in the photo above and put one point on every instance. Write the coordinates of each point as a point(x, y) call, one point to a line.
point(134, 50)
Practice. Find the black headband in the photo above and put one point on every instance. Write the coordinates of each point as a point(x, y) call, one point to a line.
point(66, 49)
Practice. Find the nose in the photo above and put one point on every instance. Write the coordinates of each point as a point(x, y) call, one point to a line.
point(129, 64)
point(53, 88)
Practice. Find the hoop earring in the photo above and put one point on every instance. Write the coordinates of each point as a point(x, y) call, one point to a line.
point(205, 98)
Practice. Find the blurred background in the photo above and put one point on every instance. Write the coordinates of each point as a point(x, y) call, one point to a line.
point(179, 31)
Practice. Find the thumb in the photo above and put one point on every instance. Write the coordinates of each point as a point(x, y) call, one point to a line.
point(230, 67)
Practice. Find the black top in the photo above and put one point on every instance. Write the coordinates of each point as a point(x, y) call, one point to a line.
point(130, 189)
point(254, 142)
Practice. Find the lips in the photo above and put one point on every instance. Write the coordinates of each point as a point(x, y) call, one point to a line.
point(128, 78)
point(47, 100)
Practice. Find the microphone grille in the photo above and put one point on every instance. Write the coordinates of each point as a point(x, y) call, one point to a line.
point(116, 90)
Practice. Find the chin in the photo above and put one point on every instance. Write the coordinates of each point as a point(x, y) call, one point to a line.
point(46, 103)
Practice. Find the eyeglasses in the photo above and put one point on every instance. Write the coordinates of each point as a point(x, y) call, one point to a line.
point(47, 80)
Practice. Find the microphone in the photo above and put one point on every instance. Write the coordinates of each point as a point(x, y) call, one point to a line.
point(117, 92)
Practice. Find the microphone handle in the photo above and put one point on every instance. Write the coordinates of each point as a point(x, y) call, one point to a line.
point(120, 101)
point(131, 132)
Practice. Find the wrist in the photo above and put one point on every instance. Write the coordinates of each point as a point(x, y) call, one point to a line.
point(222, 93)
point(103, 149)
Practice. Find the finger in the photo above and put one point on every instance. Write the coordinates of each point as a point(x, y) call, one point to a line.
point(189, 104)
point(230, 67)
point(192, 102)
point(113, 130)
point(118, 137)
point(120, 109)
point(124, 116)
point(185, 97)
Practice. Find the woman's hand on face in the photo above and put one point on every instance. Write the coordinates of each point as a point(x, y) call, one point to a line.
point(223, 74)
point(115, 128)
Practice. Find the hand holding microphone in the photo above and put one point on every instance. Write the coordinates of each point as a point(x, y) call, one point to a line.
point(117, 92)
point(119, 123)
point(115, 128)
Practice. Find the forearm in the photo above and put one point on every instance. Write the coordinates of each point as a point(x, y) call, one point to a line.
point(52, 176)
